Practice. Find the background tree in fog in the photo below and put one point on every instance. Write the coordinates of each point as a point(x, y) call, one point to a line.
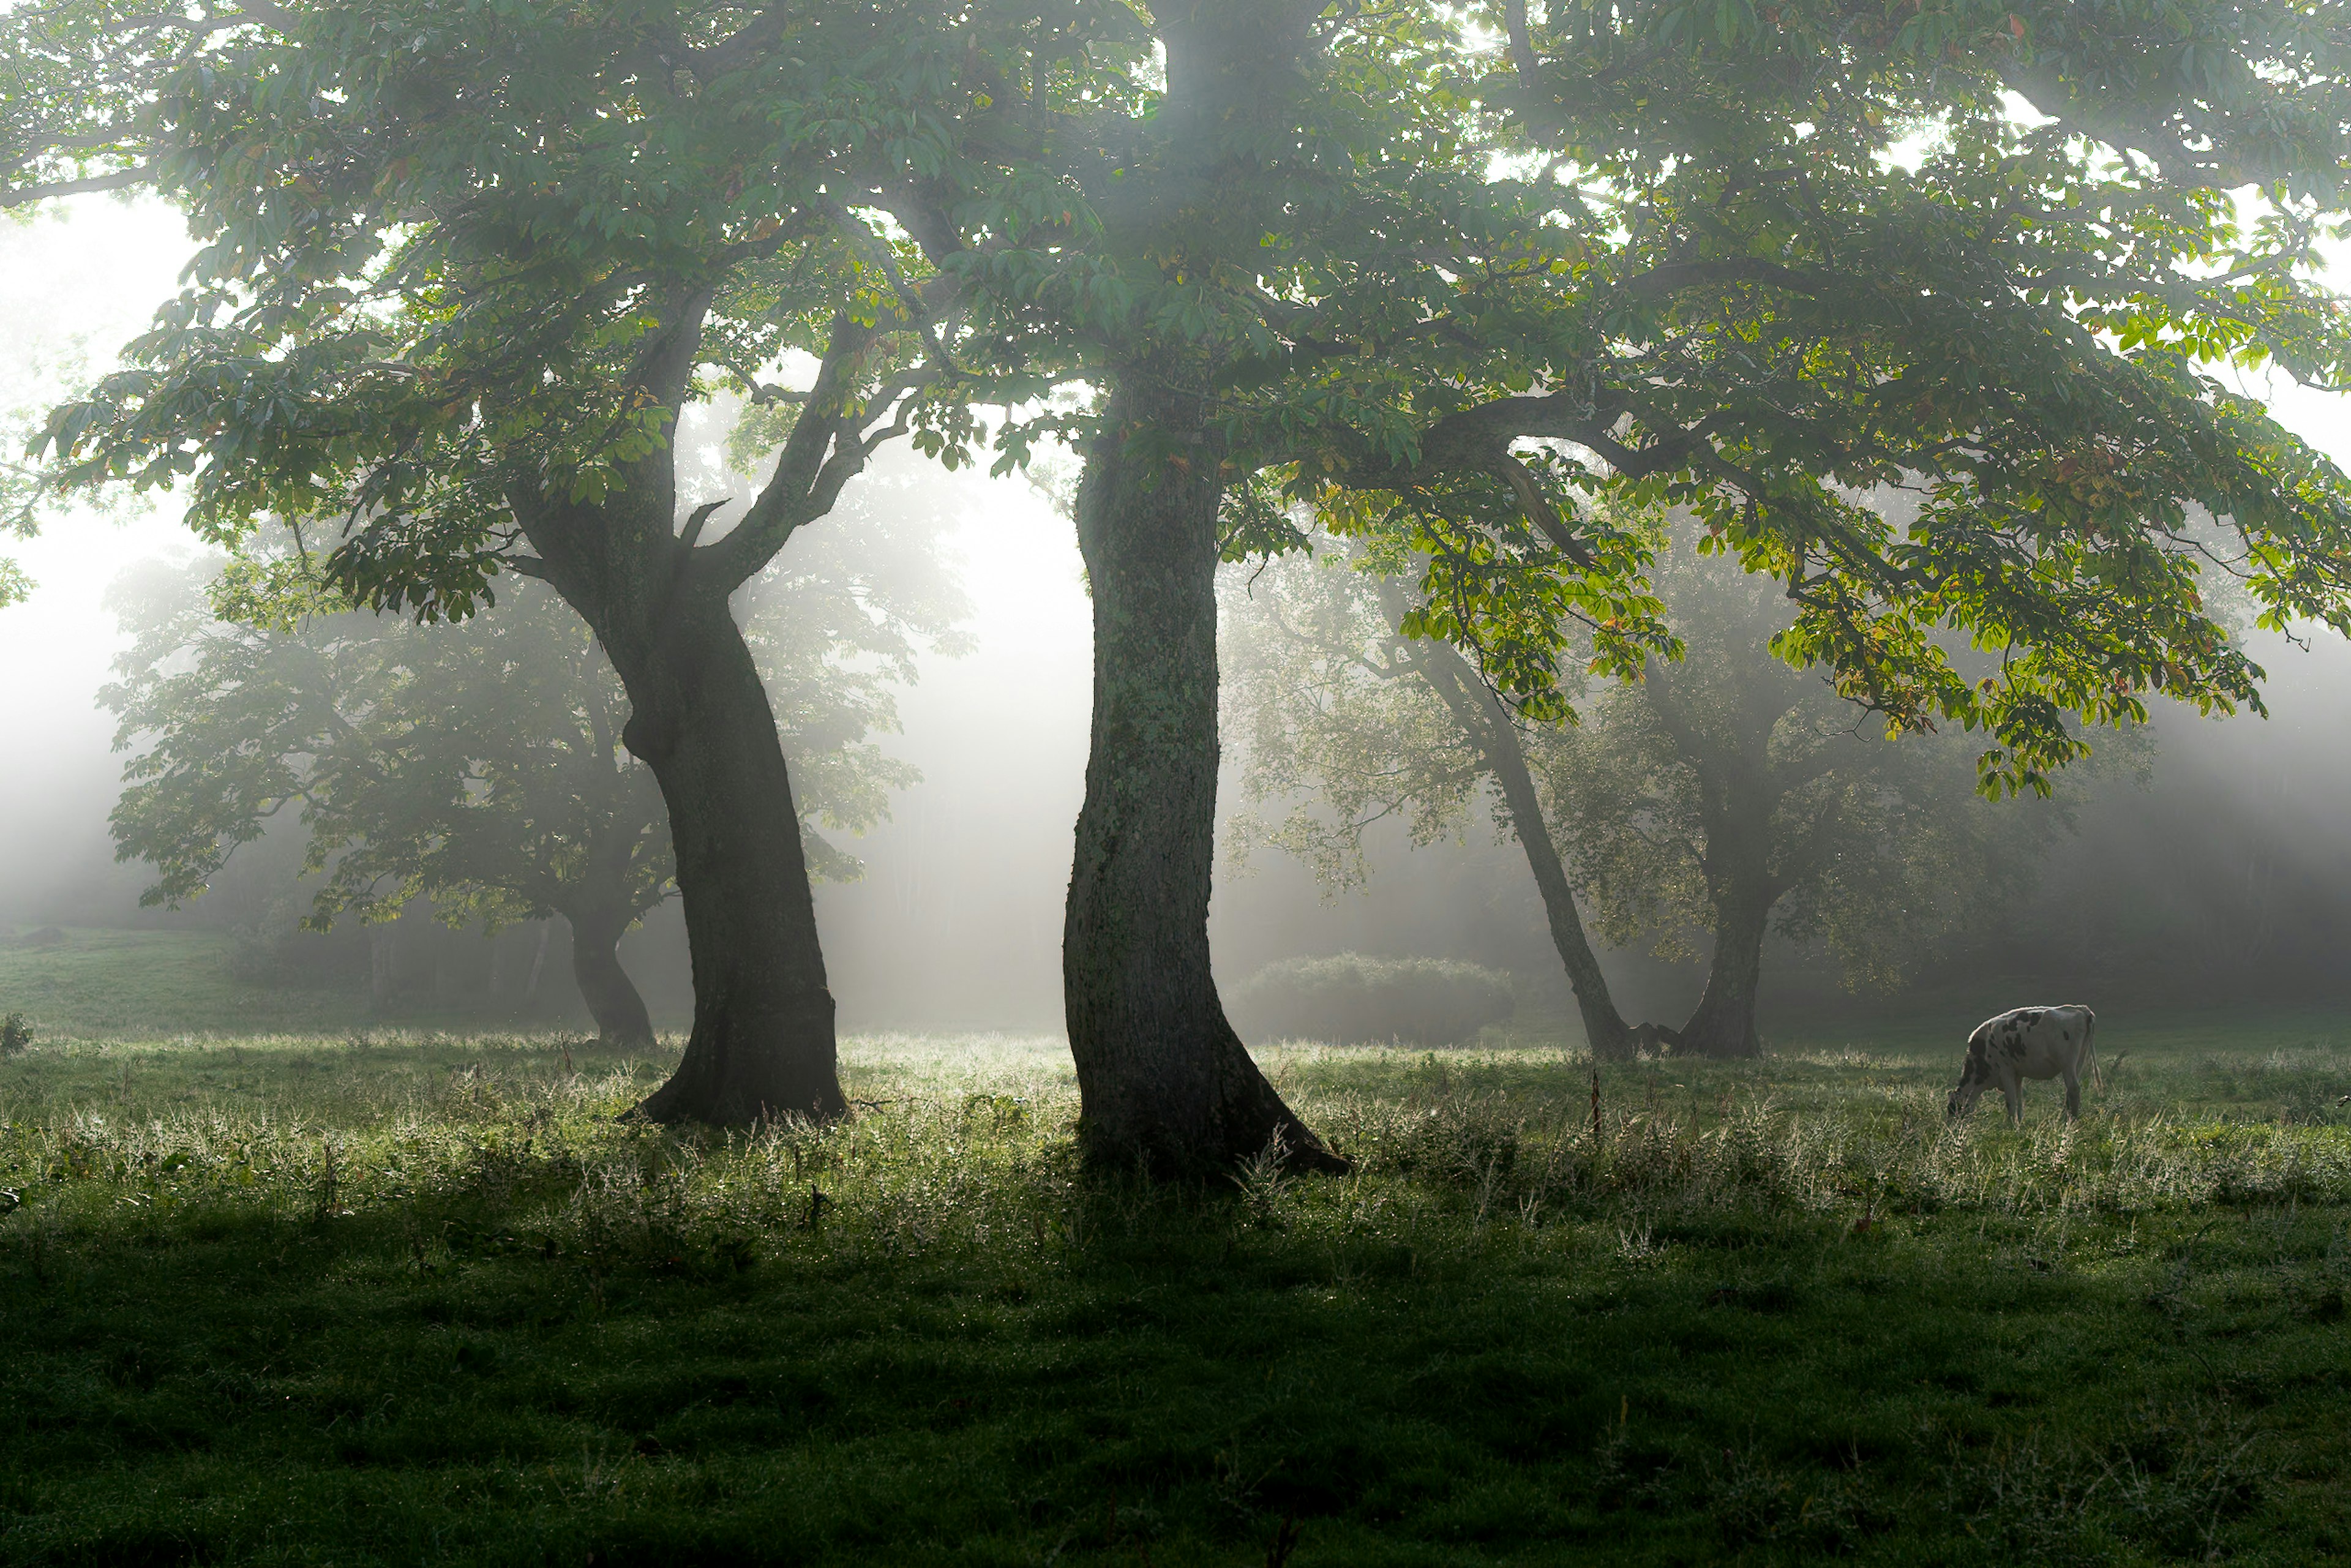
point(1729, 794)
point(479, 763)
point(1708, 796)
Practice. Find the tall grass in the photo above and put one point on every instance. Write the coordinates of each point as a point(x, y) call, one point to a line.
point(974, 1150)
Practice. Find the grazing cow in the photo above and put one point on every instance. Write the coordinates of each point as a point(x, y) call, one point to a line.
point(2028, 1042)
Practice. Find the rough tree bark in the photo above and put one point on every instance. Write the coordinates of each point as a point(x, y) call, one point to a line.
point(612, 997)
point(1163, 1079)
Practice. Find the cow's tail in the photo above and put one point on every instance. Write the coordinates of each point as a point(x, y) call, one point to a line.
point(2090, 1048)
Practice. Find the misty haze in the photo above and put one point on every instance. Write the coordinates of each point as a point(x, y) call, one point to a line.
point(1135, 784)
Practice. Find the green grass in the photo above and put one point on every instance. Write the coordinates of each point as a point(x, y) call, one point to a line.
point(420, 1298)
point(155, 985)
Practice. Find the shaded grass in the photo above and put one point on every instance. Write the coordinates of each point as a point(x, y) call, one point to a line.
point(396, 1298)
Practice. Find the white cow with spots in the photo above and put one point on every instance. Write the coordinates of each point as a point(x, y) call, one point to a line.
point(2027, 1043)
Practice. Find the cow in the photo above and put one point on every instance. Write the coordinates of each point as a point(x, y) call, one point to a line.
point(2027, 1043)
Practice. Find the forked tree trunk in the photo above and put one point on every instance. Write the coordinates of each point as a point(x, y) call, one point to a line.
point(1162, 1080)
point(1481, 717)
point(1724, 1023)
point(763, 1040)
point(612, 997)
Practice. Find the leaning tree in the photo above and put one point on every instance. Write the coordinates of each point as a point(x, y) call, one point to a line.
point(1350, 722)
point(462, 270)
point(1449, 276)
point(1724, 794)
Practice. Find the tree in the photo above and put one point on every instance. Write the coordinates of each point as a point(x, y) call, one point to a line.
point(1701, 276)
point(1354, 722)
point(476, 763)
point(463, 270)
point(479, 762)
point(1730, 793)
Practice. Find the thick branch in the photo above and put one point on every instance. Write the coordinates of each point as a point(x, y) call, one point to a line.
point(782, 506)
point(120, 180)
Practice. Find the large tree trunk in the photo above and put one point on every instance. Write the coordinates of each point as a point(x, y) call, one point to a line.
point(1724, 1023)
point(612, 997)
point(1489, 729)
point(763, 1019)
point(1162, 1080)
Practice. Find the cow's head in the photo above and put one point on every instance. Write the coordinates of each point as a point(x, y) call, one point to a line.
point(1974, 1079)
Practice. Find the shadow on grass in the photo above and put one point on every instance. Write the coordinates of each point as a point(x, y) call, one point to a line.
point(428, 1301)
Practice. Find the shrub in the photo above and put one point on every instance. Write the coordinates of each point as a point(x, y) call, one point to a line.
point(16, 1034)
point(1354, 1000)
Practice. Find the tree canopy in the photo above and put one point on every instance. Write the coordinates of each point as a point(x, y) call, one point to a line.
point(1774, 265)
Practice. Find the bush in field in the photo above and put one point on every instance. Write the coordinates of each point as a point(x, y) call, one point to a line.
point(1353, 1000)
point(16, 1034)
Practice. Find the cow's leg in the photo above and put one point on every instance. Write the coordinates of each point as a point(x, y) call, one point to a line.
point(2012, 1089)
point(2072, 1076)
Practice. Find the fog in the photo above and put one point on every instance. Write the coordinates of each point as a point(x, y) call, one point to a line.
point(2230, 870)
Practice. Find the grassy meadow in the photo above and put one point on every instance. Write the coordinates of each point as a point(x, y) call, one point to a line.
point(360, 1298)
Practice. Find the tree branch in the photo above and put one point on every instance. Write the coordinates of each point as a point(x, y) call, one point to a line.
point(782, 504)
point(120, 180)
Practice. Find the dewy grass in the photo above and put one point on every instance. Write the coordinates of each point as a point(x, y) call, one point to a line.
point(391, 1297)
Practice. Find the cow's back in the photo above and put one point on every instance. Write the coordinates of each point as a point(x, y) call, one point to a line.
point(2041, 1043)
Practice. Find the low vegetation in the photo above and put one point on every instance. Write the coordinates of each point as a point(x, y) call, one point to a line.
point(389, 1298)
point(1356, 1000)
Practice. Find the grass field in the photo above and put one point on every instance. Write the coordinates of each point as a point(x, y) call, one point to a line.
point(410, 1298)
point(99, 984)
